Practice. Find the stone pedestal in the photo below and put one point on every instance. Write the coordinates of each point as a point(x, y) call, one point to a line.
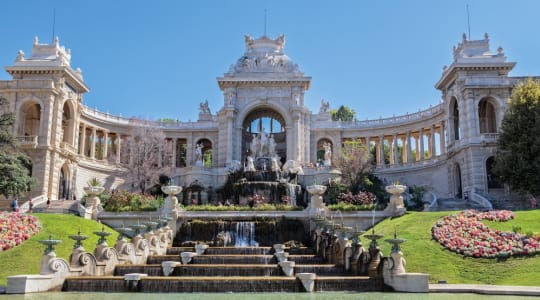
point(93, 204)
point(316, 205)
point(396, 206)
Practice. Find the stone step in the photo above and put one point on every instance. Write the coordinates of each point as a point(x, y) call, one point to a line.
point(252, 284)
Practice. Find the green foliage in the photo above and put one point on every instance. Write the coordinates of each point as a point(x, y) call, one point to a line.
point(261, 207)
point(517, 160)
point(343, 113)
point(354, 164)
point(25, 259)
point(425, 255)
point(126, 201)
point(417, 193)
point(343, 206)
point(15, 166)
point(94, 182)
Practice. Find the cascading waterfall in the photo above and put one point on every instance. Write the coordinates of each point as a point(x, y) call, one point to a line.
point(292, 194)
point(245, 235)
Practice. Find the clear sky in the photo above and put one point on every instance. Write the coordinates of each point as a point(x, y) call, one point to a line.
point(155, 59)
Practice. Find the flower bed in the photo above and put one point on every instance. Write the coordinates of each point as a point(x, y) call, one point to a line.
point(464, 233)
point(16, 228)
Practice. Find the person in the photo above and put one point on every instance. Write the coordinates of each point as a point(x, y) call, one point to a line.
point(48, 203)
point(15, 203)
point(30, 205)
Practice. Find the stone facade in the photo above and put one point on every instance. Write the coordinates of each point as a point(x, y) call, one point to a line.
point(448, 147)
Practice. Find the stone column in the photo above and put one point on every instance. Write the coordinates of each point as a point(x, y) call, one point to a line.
point(381, 151)
point(395, 151)
point(417, 145)
point(118, 145)
point(173, 152)
point(442, 138)
point(421, 137)
point(83, 141)
point(93, 144)
point(433, 147)
point(230, 144)
point(105, 144)
point(408, 148)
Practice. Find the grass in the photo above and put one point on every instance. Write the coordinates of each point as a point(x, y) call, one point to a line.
point(25, 259)
point(425, 255)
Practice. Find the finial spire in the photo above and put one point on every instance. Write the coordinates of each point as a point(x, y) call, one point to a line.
point(264, 22)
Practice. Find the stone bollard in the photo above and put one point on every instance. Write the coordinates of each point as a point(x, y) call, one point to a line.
point(279, 248)
point(168, 267)
point(308, 280)
point(187, 257)
point(132, 280)
point(281, 256)
point(200, 248)
point(287, 267)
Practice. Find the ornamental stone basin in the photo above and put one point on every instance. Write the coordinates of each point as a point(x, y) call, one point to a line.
point(316, 204)
point(396, 206)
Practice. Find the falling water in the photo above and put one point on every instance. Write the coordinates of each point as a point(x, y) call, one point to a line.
point(292, 194)
point(245, 235)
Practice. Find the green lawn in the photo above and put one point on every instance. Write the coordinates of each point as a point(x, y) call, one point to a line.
point(425, 255)
point(25, 259)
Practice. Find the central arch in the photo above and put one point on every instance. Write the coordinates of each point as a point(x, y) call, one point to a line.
point(264, 134)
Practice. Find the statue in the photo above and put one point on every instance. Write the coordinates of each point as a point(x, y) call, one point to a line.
point(250, 167)
point(325, 106)
point(254, 146)
point(327, 154)
point(198, 154)
point(264, 141)
point(271, 146)
point(203, 106)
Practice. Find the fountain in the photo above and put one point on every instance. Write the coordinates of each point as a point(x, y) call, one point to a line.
point(50, 243)
point(78, 238)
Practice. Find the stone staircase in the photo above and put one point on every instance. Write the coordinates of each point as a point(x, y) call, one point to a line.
point(227, 269)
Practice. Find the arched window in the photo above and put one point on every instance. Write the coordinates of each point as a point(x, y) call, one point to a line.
point(206, 152)
point(67, 124)
point(486, 116)
point(323, 146)
point(454, 119)
point(264, 134)
point(493, 181)
point(458, 191)
point(181, 153)
point(30, 119)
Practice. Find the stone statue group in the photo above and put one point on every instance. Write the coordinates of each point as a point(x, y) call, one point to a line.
point(263, 145)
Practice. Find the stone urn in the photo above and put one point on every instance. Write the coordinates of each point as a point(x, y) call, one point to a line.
point(396, 205)
point(171, 202)
point(316, 205)
point(93, 204)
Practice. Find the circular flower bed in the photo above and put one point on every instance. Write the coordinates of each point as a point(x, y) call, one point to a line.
point(464, 233)
point(16, 228)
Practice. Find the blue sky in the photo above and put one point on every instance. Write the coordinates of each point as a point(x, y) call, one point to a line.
point(155, 59)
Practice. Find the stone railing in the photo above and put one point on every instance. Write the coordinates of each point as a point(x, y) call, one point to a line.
point(68, 147)
point(28, 141)
point(422, 163)
point(392, 121)
point(490, 137)
point(94, 112)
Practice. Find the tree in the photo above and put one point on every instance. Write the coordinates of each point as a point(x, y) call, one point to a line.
point(147, 148)
point(343, 113)
point(355, 166)
point(517, 160)
point(15, 166)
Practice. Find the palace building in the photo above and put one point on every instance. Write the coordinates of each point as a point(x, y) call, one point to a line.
point(448, 147)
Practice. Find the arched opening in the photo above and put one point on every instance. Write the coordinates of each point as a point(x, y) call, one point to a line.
point(30, 119)
point(264, 135)
point(458, 189)
point(454, 119)
point(181, 153)
point(325, 148)
point(487, 116)
point(63, 183)
point(206, 152)
point(68, 123)
point(493, 181)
